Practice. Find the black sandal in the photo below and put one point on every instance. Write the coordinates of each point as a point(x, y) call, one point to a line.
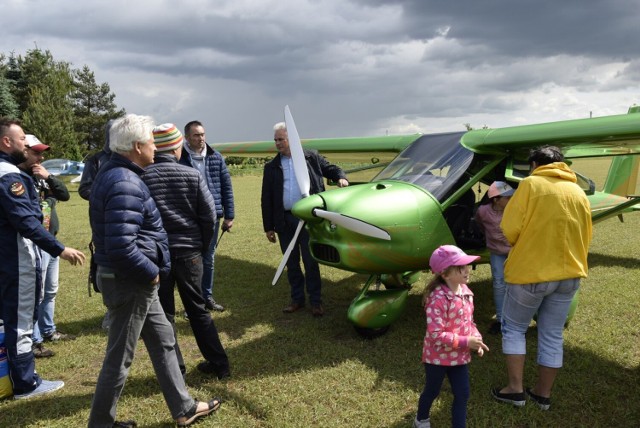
point(193, 414)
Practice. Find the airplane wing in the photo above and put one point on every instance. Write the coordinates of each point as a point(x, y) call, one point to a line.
point(390, 143)
point(603, 136)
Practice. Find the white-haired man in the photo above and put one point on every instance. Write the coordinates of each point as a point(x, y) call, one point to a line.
point(132, 251)
point(279, 192)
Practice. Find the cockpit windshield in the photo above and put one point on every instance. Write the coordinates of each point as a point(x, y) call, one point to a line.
point(434, 162)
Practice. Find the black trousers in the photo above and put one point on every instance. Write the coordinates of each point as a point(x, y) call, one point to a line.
point(186, 273)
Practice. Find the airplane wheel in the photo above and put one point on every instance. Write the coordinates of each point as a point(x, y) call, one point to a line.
point(371, 333)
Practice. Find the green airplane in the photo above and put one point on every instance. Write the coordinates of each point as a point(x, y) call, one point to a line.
point(424, 197)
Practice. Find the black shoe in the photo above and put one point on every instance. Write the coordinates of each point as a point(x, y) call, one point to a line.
point(211, 305)
point(543, 402)
point(518, 399)
point(208, 368)
point(39, 351)
point(125, 424)
point(495, 328)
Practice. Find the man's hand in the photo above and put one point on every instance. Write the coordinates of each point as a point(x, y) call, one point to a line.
point(343, 182)
point(271, 236)
point(227, 224)
point(40, 171)
point(73, 256)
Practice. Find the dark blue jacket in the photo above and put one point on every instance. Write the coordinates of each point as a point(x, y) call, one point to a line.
point(218, 180)
point(185, 204)
point(273, 186)
point(126, 224)
point(20, 213)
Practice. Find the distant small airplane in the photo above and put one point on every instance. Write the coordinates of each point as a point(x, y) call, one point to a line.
point(423, 198)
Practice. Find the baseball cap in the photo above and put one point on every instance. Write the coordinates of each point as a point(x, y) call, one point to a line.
point(500, 188)
point(36, 145)
point(449, 255)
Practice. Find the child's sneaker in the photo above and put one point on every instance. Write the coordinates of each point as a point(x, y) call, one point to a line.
point(543, 402)
point(425, 423)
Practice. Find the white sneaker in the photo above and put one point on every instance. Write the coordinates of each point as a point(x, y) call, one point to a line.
point(425, 423)
point(46, 387)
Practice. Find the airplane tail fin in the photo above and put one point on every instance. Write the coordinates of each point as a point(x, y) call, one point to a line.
point(622, 176)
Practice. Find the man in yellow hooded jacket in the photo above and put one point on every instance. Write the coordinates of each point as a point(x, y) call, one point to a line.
point(548, 224)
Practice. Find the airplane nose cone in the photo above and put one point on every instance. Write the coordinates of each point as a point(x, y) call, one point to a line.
point(303, 209)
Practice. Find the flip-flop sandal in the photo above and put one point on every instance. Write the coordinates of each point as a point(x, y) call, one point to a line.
point(193, 414)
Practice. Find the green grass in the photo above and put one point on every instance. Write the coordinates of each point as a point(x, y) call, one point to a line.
point(297, 371)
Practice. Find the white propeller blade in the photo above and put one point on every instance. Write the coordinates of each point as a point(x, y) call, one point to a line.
point(287, 253)
point(297, 155)
point(353, 224)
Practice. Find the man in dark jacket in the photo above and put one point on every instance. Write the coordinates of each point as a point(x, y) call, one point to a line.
point(210, 163)
point(21, 230)
point(132, 251)
point(50, 190)
point(280, 192)
point(188, 214)
point(92, 165)
point(91, 168)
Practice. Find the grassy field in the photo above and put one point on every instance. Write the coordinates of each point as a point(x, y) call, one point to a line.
point(297, 371)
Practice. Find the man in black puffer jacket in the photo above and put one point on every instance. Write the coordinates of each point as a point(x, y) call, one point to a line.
point(188, 214)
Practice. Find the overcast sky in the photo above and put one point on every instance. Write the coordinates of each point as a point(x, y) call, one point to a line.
point(345, 67)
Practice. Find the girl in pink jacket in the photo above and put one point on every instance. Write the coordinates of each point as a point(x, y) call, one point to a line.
point(451, 333)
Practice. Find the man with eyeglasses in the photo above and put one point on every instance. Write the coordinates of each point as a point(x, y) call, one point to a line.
point(211, 165)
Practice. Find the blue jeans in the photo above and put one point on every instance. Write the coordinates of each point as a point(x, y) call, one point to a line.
point(46, 309)
point(499, 286)
point(551, 300)
point(459, 380)
point(208, 262)
point(311, 276)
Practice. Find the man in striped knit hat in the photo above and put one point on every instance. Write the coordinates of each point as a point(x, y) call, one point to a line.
point(188, 214)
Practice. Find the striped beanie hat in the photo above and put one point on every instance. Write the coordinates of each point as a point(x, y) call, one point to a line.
point(167, 137)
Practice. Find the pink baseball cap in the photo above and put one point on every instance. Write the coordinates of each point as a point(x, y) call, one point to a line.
point(500, 188)
point(449, 255)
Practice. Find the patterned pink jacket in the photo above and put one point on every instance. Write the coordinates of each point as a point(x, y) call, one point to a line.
point(449, 325)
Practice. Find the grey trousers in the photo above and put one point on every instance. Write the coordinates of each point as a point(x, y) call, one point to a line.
point(135, 312)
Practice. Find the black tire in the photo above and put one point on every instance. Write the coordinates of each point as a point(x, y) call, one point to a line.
point(371, 333)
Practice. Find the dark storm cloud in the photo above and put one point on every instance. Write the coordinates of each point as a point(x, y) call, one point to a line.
point(364, 67)
point(534, 28)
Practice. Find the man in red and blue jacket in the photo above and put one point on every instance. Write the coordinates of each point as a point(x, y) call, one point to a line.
point(21, 231)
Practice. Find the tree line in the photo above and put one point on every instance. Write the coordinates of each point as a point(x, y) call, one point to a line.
point(64, 107)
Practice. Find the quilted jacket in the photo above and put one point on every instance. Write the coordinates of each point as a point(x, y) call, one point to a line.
point(126, 224)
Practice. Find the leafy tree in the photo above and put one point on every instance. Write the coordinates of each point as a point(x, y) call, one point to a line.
point(93, 106)
point(8, 105)
point(43, 90)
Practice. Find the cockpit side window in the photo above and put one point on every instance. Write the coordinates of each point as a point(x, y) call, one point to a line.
point(433, 162)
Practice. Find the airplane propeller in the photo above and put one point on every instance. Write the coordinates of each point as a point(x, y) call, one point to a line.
point(358, 226)
point(302, 176)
